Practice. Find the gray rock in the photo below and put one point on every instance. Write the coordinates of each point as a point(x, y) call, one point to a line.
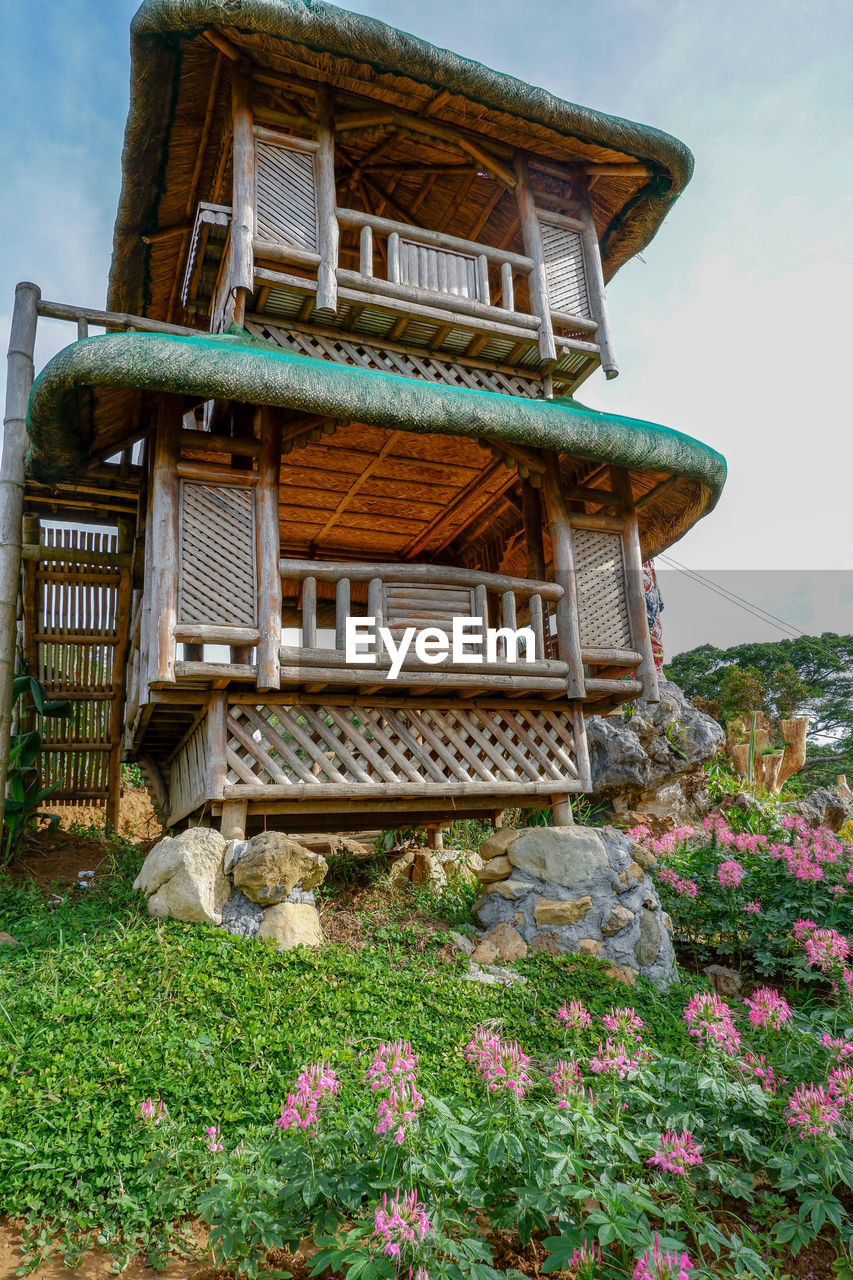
point(825, 807)
point(461, 942)
point(234, 851)
point(492, 975)
point(273, 865)
point(649, 945)
point(620, 918)
point(305, 896)
point(183, 877)
point(562, 855)
point(242, 917)
point(726, 982)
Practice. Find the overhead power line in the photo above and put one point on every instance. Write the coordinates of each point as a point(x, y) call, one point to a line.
point(748, 606)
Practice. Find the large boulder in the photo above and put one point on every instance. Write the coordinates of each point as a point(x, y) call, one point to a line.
point(274, 864)
point(291, 924)
point(183, 877)
point(825, 807)
point(575, 889)
point(650, 764)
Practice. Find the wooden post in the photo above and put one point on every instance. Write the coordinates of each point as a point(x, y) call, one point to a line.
point(597, 294)
point(309, 613)
point(568, 633)
point(327, 279)
point(507, 289)
point(342, 608)
point(561, 808)
point(232, 824)
point(126, 530)
point(532, 236)
point(217, 740)
point(19, 380)
point(620, 481)
point(162, 568)
point(365, 257)
point(269, 574)
point(243, 192)
point(31, 534)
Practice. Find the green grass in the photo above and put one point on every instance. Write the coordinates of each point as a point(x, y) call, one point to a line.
point(101, 1007)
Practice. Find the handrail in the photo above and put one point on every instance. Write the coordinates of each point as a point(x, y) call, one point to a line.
point(436, 239)
point(84, 316)
point(444, 575)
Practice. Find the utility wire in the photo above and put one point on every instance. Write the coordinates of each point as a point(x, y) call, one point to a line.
point(748, 606)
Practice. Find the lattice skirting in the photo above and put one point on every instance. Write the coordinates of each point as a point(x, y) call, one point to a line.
point(330, 748)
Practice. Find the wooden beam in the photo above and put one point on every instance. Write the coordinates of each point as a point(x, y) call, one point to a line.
point(358, 483)
point(162, 564)
point(538, 281)
point(562, 546)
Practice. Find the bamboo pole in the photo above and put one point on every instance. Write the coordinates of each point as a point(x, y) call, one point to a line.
point(125, 546)
point(568, 633)
point(532, 237)
point(19, 364)
point(243, 196)
point(597, 294)
point(269, 578)
point(163, 559)
point(327, 281)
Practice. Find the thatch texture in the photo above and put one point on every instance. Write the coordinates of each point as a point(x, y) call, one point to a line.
point(180, 89)
point(89, 389)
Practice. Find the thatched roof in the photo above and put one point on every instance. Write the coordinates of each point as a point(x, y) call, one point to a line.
point(180, 97)
point(68, 398)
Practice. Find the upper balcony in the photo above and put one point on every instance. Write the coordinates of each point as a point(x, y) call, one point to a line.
point(340, 248)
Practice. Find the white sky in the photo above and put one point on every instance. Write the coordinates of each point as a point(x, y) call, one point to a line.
point(737, 325)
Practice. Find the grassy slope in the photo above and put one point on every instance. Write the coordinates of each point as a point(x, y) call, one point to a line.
point(101, 1007)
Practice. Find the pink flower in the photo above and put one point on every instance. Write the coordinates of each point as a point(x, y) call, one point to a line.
point(840, 1086)
point(684, 888)
point(841, 1048)
point(213, 1143)
point(501, 1063)
point(813, 1111)
point(313, 1084)
point(710, 1021)
point(623, 1022)
point(575, 1016)
point(151, 1110)
point(677, 1152)
point(767, 1008)
point(803, 929)
point(400, 1222)
point(751, 1065)
point(567, 1078)
point(753, 908)
point(586, 1261)
point(826, 949)
point(615, 1058)
point(394, 1071)
point(730, 873)
point(662, 1266)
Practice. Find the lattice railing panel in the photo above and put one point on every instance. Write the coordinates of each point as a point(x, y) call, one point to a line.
point(401, 748)
point(426, 366)
point(217, 578)
point(602, 590)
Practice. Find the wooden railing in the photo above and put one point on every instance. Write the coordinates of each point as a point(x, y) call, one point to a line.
point(405, 595)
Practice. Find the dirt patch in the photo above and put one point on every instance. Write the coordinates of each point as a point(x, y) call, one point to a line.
point(136, 819)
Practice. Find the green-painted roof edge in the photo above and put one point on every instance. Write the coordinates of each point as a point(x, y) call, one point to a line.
point(63, 404)
point(155, 61)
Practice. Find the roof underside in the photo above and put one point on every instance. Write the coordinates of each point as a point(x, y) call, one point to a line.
point(179, 114)
point(86, 396)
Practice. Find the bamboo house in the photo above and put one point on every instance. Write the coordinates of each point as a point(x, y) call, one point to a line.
point(357, 282)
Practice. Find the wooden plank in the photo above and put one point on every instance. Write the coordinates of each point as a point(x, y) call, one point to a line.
point(162, 565)
point(441, 575)
point(217, 739)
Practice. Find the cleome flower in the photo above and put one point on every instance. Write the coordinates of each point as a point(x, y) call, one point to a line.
point(730, 873)
point(575, 1016)
point(662, 1266)
point(616, 1058)
point(752, 908)
point(153, 1110)
point(710, 1021)
point(803, 929)
point(677, 1152)
point(213, 1137)
point(751, 1064)
point(394, 1071)
point(768, 1009)
point(813, 1111)
point(840, 1086)
point(501, 1063)
point(840, 1047)
point(586, 1261)
point(826, 950)
point(399, 1222)
point(313, 1084)
point(623, 1022)
point(567, 1079)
